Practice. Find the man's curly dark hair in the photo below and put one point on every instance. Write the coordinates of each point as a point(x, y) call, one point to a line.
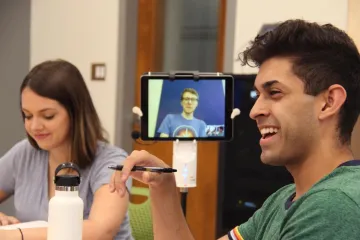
point(322, 55)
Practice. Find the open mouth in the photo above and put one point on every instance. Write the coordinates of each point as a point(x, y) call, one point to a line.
point(268, 132)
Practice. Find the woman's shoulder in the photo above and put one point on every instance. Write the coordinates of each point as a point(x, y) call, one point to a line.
point(107, 154)
point(109, 151)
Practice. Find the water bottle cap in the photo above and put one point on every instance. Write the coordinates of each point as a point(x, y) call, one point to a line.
point(67, 180)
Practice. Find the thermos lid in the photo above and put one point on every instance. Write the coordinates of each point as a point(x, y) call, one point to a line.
point(67, 180)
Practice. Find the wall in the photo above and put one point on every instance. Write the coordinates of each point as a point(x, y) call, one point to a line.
point(14, 64)
point(85, 32)
point(353, 31)
point(249, 18)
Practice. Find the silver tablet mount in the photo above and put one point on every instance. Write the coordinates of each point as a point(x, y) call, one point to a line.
point(184, 157)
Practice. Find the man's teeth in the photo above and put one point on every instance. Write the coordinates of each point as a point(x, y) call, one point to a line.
point(265, 131)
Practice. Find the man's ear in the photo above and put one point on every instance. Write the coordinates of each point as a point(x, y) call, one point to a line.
point(333, 99)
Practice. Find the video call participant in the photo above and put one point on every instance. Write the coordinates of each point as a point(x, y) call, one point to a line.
point(62, 126)
point(308, 103)
point(184, 124)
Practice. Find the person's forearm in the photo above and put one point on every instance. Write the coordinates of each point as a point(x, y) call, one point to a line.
point(90, 232)
point(168, 219)
point(29, 234)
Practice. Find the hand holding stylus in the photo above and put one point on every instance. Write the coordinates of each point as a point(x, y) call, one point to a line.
point(140, 159)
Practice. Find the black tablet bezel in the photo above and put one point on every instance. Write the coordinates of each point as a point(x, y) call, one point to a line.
point(229, 93)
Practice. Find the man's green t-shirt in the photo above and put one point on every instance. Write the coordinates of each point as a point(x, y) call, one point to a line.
point(329, 210)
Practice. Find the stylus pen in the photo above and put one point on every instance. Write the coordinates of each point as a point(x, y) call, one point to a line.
point(146, 169)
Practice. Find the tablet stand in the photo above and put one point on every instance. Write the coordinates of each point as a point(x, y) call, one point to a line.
point(185, 161)
point(185, 152)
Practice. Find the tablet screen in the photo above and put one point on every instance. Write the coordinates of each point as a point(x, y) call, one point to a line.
point(185, 109)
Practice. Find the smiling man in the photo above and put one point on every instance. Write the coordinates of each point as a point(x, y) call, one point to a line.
point(306, 108)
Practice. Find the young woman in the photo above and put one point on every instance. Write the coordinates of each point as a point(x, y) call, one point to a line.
point(62, 126)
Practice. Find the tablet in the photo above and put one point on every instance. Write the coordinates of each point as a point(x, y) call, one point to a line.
point(186, 107)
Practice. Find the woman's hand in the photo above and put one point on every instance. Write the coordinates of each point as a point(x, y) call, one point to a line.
point(7, 220)
point(140, 158)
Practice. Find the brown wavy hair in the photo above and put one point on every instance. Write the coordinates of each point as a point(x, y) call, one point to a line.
point(62, 81)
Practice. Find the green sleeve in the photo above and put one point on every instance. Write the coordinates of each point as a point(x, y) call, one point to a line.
point(246, 230)
point(327, 214)
point(249, 229)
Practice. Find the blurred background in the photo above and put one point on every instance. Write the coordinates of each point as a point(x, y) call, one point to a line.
point(113, 42)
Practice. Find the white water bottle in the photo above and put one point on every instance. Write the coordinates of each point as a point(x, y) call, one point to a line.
point(65, 218)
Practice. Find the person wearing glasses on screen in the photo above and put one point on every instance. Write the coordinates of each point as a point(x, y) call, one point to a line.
point(184, 124)
point(307, 105)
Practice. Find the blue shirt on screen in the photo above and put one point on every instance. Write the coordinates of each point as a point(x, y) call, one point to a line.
point(175, 125)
